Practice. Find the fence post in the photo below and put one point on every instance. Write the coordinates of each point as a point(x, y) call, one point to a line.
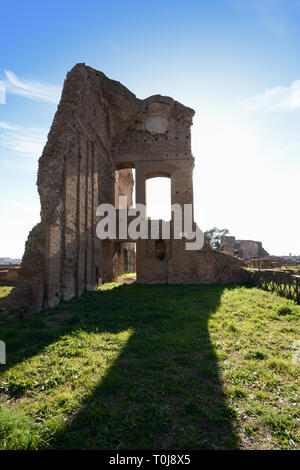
point(297, 291)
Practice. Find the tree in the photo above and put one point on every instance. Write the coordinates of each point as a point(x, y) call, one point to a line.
point(214, 236)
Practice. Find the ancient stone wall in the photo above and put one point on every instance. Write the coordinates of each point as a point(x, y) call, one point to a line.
point(63, 256)
point(9, 274)
point(228, 245)
point(249, 249)
point(265, 263)
point(244, 249)
point(100, 127)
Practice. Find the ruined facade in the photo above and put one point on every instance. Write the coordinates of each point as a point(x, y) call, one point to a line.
point(100, 127)
point(9, 273)
point(244, 249)
point(265, 263)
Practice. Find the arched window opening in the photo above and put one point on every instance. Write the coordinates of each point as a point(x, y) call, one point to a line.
point(125, 186)
point(158, 198)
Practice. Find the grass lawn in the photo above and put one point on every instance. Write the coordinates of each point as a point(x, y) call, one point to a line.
point(153, 367)
point(293, 268)
point(5, 289)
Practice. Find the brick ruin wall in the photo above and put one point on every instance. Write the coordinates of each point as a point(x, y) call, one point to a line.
point(244, 249)
point(9, 274)
point(101, 127)
point(76, 173)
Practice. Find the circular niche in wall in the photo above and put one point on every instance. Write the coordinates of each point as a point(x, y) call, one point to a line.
point(156, 124)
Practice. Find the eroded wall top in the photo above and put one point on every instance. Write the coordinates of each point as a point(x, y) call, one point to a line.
point(160, 131)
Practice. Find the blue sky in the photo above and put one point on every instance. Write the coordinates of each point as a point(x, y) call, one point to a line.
point(236, 62)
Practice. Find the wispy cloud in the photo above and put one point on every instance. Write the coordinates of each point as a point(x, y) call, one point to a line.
point(4, 125)
point(31, 89)
point(2, 92)
point(26, 141)
point(278, 98)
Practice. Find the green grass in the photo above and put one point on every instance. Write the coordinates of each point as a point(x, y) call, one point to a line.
point(128, 275)
point(153, 367)
point(5, 289)
point(292, 268)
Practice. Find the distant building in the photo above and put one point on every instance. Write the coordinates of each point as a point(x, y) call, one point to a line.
point(10, 261)
point(244, 249)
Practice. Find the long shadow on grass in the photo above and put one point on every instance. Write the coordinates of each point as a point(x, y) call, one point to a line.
point(164, 390)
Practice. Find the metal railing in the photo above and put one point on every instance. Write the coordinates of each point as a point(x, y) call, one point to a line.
point(285, 284)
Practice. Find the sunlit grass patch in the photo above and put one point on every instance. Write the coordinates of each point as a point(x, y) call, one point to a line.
point(5, 290)
point(128, 275)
